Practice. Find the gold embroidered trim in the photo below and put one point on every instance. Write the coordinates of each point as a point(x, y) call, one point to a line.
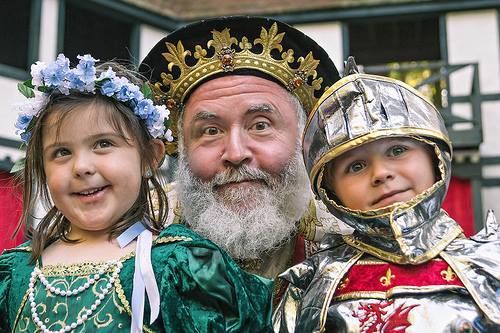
point(393, 291)
point(20, 309)
point(171, 239)
point(121, 296)
point(79, 269)
point(309, 222)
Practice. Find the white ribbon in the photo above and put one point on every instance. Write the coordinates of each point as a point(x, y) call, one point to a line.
point(144, 282)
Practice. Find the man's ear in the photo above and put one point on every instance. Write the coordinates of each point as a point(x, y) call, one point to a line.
point(158, 152)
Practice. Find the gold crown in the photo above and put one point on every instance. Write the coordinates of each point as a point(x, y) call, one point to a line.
point(172, 91)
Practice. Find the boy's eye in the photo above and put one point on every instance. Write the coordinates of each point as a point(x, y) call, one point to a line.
point(211, 131)
point(103, 144)
point(260, 126)
point(397, 150)
point(61, 152)
point(356, 167)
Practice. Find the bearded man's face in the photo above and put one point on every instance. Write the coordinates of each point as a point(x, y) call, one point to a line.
point(242, 183)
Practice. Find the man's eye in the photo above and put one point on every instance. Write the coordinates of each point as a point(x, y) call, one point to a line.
point(260, 126)
point(397, 150)
point(211, 131)
point(61, 152)
point(355, 167)
point(103, 144)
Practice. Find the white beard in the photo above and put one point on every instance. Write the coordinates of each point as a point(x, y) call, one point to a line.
point(246, 221)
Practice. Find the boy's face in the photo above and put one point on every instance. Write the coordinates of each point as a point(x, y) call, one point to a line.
point(381, 173)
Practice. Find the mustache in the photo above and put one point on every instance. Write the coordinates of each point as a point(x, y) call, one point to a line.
point(241, 174)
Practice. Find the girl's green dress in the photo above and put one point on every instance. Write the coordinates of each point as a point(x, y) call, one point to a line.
point(201, 290)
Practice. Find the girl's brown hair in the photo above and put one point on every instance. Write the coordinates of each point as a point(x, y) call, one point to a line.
point(151, 205)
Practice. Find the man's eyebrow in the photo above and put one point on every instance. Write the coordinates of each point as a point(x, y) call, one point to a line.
point(264, 108)
point(204, 115)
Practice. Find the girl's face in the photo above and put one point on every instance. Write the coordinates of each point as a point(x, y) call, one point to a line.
point(381, 173)
point(93, 174)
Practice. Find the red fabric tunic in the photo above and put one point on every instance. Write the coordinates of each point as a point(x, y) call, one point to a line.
point(10, 212)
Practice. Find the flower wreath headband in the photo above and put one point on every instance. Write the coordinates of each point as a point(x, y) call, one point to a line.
point(59, 77)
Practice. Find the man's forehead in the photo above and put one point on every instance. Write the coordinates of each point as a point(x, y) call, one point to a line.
point(234, 84)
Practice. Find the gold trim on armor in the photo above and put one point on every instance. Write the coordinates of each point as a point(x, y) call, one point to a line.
point(399, 259)
point(394, 291)
point(333, 286)
point(470, 288)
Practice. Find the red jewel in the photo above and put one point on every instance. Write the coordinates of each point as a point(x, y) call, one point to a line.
point(170, 103)
point(227, 59)
point(297, 81)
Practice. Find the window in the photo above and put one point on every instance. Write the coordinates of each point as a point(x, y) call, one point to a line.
point(15, 26)
point(96, 32)
point(374, 42)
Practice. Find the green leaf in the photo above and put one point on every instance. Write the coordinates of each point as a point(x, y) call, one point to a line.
point(146, 90)
point(168, 123)
point(18, 166)
point(29, 84)
point(43, 89)
point(26, 90)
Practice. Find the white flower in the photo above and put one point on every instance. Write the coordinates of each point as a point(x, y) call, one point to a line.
point(157, 129)
point(108, 74)
point(32, 106)
point(163, 111)
point(36, 73)
point(168, 135)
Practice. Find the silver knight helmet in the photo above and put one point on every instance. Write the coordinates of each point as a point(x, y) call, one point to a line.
point(362, 108)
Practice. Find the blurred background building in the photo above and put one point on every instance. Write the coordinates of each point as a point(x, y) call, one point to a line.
point(447, 49)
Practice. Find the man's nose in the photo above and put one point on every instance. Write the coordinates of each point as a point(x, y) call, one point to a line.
point(83, 164)
point(236, 149)
point(381, 172)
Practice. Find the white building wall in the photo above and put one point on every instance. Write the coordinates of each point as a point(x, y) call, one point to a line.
point(474, 37)
point(149, 36)
point(328, 36)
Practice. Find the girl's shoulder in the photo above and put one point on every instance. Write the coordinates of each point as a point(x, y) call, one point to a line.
point(181, 235)
point(17, 259)
point(177, 243)
point(19, 253)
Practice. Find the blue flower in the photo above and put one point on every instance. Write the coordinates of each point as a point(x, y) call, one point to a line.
point(57, 76)
point(75, 81)
point(128, 92)
point(25, 136)
point(23, 120)
point(145, 109)
point(109, 88)
point(86, 68)
point(54, 74)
